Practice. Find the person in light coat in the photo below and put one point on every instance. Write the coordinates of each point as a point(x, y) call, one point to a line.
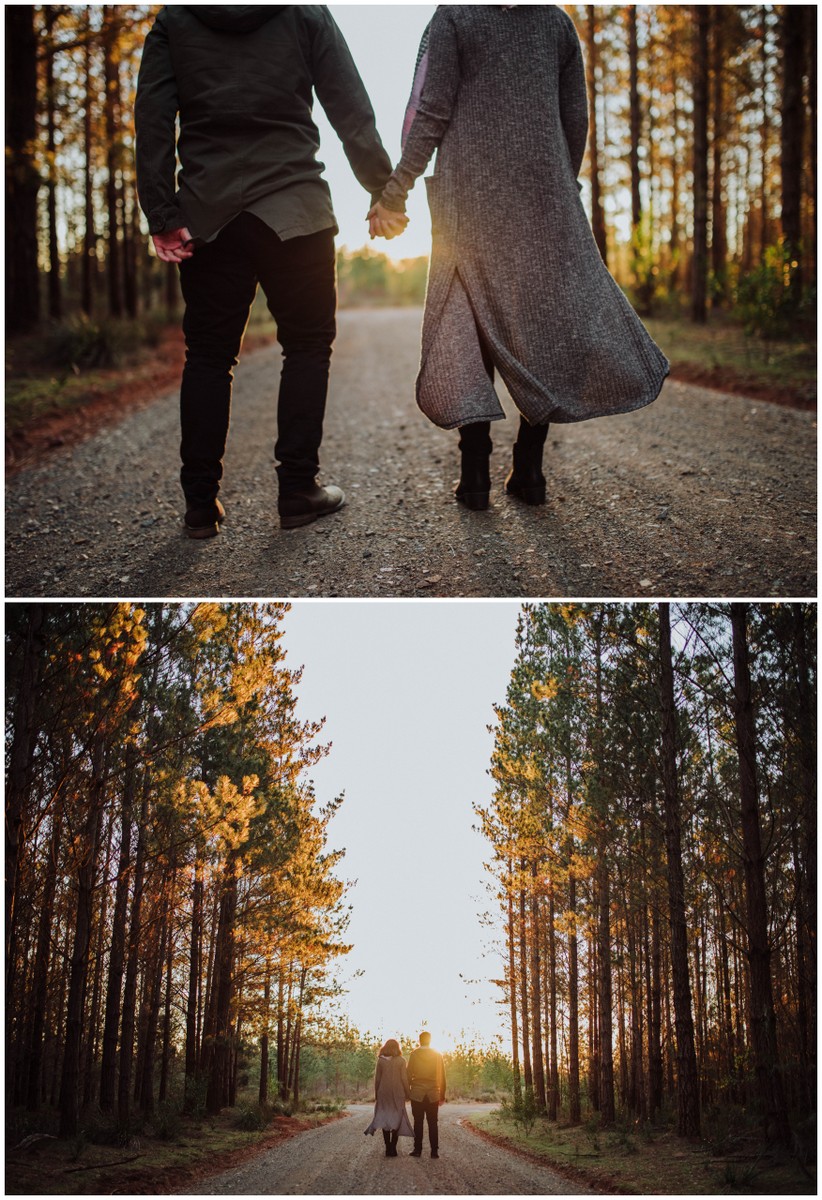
point(391, 1091)
point(516, 282)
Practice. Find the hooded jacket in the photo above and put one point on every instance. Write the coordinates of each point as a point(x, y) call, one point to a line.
point(242, 79)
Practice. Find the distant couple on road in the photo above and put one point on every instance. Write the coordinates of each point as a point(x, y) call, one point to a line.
point(422, 1081)
point(516, 284)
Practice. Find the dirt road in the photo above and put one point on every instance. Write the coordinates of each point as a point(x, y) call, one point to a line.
point(337, 1160)
point(702, 494)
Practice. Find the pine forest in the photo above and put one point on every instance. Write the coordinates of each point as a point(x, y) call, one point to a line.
point(652, 842)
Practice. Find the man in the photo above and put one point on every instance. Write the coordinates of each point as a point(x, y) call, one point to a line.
point(426, 1078)
point(251, 206)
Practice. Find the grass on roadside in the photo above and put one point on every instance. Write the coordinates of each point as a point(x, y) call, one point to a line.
point(720, 354)
point(644, 1159)
point(163, 1153)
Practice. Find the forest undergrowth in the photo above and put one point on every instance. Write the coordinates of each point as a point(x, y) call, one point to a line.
point(645, 1158)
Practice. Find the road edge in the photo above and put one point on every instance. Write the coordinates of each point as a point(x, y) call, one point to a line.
point(573, 1174)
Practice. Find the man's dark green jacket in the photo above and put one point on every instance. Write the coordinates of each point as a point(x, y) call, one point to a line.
point(241, 78)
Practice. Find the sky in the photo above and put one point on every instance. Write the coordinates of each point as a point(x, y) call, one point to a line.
point(383, 39)
point(408, 689)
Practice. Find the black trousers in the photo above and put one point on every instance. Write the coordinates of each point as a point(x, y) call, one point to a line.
point(219, 283)
point(423, 1110)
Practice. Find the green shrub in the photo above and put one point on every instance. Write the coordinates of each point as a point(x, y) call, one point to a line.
point(766, 298)
point(167, 1122)
point(521, 1110)
point(250, 1119)
point(79, 343)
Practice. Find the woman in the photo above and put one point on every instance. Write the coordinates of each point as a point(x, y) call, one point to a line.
point(391, 1092)
point(516, 281)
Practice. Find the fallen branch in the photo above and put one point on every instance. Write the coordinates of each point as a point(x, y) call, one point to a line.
point(32, 1139)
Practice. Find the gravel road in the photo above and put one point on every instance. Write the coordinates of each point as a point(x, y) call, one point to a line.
point(701, 494)
point(337, 1160)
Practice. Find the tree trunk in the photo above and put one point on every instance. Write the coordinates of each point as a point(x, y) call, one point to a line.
point(574, 1108)
point(86, 871)
point(536, 999)
point(792, 37)
point(523, 993)
point(130, 987)
point(39, 995)
point(22, 178)
point(687, 1085)
point(117, 954)
point(762, 1016)
point(89, 261)
point(719, 241)
point(55, 299)
point(224, 988)
point(553, 1087)
point(193, 987)
point(699, 279)
point(17, 783)
point(597, 211)
point(512, 990)
point(111, 67)
point(636, 119)
point(602, 883)
point(264, 1038)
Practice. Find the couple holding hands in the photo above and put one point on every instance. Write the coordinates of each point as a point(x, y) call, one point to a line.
point(420, 1080)
point(516, 284)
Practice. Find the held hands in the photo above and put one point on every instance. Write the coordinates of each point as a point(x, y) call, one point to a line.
point(385, 223)
point(174, 246)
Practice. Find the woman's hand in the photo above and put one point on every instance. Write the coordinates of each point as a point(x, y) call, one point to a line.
point(384, 222)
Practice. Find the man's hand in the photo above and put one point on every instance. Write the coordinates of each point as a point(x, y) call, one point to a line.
point(174, 246)
point(383, 222)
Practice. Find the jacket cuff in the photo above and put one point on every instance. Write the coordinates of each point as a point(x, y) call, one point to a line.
point(165, 219)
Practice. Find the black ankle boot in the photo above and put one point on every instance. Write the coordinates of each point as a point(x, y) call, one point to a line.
point(526, 480)
point(474, 486)
point(475, 476)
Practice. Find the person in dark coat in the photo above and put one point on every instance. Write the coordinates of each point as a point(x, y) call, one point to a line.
point(250, 206)
point(426, 1079)
point(516, 282)
point(391, 1092)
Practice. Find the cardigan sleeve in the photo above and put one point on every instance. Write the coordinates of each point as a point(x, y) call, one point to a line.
point(573, 101)
point(433, 114)
point(155, 117)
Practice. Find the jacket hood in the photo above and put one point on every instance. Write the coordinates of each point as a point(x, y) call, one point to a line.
point(235, 18)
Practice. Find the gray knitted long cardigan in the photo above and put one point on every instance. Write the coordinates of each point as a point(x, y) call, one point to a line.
point(391, 1092)
point(513, 256)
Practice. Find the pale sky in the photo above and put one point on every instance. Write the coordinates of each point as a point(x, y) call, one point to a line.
point(407, 689)
point(384, 39)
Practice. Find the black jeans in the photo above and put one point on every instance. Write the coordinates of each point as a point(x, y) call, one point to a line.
point(422, 1110)
point(219, 283)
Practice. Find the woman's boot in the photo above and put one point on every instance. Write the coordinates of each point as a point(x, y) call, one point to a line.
point(386, 1137)
point(392, 1149)
point(474, 486)
point(526, 480)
